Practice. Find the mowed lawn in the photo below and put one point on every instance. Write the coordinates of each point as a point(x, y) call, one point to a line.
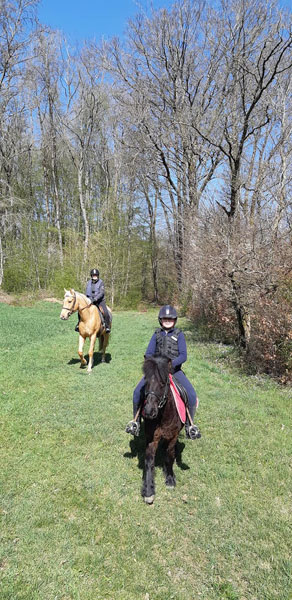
point(73, 523)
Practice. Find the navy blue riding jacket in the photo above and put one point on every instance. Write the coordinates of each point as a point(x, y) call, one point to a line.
point(95, 290)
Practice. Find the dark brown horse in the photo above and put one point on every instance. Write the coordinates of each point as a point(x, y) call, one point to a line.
point(161, 420)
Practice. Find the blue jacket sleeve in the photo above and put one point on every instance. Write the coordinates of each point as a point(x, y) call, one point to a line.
point(88, 289)
point(182, 351)
point(100, 294)
point(151, 346)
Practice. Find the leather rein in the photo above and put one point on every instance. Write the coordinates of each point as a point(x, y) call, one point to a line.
point(72, 308)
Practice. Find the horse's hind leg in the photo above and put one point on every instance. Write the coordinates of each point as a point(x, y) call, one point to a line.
point(103, 342)
point(80, 351)
point(168, 465)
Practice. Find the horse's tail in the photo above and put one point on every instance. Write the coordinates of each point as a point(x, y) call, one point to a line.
point(110, 313)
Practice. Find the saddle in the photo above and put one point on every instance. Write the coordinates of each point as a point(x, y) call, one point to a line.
point(182, 391)
point(180, 398)
point(100, 310)
point(101, 314)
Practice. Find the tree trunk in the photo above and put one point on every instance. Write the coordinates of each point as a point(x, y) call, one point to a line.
point(83, 209)
point(1, 262)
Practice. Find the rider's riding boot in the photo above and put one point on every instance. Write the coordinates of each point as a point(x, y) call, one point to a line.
point(107, 325)
point(133, 427)
point(192, 431)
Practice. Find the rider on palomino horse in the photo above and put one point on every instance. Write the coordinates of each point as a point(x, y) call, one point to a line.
point(168, 341)
point(95, 291)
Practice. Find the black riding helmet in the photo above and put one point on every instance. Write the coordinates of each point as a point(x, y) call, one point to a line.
point(167, 312)
point(94, 272)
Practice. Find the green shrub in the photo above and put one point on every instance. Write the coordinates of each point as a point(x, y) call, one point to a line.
point(64, 278)
point(131, 301)
point(17, 278)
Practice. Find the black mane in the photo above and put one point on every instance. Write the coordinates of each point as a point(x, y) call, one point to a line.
point(157, 366)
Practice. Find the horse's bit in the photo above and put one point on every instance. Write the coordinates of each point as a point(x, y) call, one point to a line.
point(161, 399)
point(72, 308)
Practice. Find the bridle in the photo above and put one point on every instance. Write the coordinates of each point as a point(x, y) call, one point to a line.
point(71, 310)
point(161, 399)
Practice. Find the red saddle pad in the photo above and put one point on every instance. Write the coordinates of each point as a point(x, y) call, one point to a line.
point(180, 405)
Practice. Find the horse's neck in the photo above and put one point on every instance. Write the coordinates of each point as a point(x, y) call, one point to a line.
point(81, 303)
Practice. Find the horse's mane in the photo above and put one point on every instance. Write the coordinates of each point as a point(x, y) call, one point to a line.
point(68, 293)
point(88, 301)
point(157, 366)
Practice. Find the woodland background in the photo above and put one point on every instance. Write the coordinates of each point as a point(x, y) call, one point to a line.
point(165, 160)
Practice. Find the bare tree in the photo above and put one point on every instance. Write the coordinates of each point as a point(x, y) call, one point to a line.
point(257, 56)
point(162, 80)
point(17, 24)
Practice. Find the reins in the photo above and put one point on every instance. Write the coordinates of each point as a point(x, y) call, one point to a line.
point(161, 399)
point(72, 308)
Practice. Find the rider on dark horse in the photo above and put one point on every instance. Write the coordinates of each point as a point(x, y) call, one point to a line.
point(95, 291)
point(168, 341)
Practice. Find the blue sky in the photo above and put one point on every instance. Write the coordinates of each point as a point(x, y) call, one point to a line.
point(84, 19)
point(80, 19)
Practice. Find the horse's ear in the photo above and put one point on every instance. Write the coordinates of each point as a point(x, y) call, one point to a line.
point(71, 291)
point(65, 290)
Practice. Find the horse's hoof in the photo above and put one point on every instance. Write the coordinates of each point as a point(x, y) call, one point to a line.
point(170, 483)
point(149, 499)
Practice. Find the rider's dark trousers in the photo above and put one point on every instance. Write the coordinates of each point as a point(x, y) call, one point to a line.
point(105, 312)
point(180, 376)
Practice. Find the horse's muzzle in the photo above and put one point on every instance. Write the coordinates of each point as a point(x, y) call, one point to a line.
point(150, 411)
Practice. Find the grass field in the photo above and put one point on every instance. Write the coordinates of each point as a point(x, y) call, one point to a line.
point(73, 523)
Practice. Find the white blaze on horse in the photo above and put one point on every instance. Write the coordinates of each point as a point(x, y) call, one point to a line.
point(90, 325)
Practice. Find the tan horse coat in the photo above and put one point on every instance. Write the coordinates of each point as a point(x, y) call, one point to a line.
point(90, 325)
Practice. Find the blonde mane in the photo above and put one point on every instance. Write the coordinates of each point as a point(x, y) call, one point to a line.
point(78, 294)
point(88, 301)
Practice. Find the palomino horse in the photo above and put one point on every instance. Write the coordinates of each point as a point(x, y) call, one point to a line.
point(90, 324)
point(161, 420)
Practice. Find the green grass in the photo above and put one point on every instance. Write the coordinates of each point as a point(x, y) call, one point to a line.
point(73, 523)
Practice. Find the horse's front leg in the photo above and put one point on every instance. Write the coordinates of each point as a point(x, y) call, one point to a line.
point(168, 465)
point(153, 435)
point(90, 353)
point(80, 351)
point(148, 489)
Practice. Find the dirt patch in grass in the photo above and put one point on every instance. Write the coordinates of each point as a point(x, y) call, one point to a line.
point(6, 298)
point(52, 300)
point(28, 299)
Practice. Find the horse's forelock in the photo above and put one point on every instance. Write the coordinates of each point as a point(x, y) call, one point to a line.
point(157, 366)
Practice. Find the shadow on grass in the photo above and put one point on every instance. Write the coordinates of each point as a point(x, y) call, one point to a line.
point(96, 359)
point(137, 449)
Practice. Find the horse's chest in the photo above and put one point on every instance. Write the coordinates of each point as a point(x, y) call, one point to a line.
point(85, 331)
